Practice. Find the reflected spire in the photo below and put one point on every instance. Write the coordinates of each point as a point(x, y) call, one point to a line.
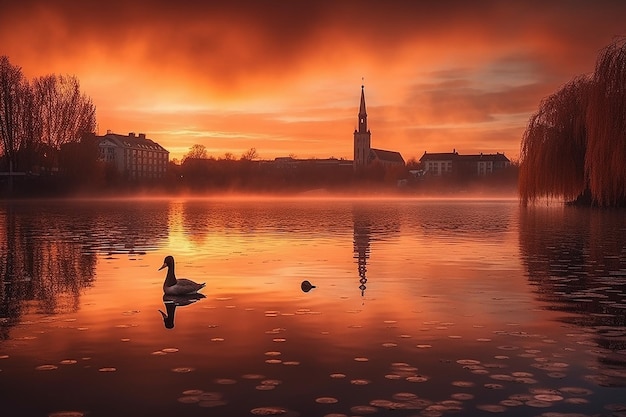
point(362, 232)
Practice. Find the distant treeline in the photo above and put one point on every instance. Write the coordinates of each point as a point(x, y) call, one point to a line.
point(81, 173)
point(39, 116)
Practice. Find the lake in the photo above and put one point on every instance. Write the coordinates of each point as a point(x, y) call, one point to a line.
point(420, 308)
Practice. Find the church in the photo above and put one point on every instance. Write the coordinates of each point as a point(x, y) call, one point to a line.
point(364, 154)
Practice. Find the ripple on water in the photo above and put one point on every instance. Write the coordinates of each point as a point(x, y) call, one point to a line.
point(183, 369)
point(492, 408)
point(404, 396)
point(360, 382)
point(268, 411)
point(363, 409)
point(326, 400)
point(463, 384)
point(46, 367)
point(225, 381)
point(253, 376)
point(462, 396)
point(417, 378)
point(67, 414)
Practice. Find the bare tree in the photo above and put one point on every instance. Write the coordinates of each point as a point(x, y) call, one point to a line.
point(196, 151)
point(65, 114)
point(14, 90)
point(250, 155)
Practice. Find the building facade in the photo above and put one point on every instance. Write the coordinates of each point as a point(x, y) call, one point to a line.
point(134, 156)
point(452, 163)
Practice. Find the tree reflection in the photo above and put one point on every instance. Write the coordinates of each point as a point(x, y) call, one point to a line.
point(575, 259)
point(49, 251)
point(39, 268)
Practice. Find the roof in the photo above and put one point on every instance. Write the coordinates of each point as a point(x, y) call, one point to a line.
point(441, 156)
point(387, 156)
point(448, 156)
point(132, 141)
point(493, 157)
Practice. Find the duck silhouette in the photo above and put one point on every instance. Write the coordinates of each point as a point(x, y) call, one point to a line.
point(180, 286)
point(306, 286)
point(173, 301)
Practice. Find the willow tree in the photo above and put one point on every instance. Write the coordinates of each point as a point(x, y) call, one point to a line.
point(574, 146)
point(605, 163)
point(553, 146)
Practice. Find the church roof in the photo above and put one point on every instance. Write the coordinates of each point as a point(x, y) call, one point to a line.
point(388, 156)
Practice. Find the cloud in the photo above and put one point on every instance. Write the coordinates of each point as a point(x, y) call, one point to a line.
point(447, 70)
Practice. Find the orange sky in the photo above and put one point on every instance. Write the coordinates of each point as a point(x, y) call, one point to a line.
point(285, 76)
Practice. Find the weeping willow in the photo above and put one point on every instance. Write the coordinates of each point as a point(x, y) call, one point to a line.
point(574, 146)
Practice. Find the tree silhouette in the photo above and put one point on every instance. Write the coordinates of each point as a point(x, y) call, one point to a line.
point(196, 151)
point(14, 105)
point(574, 146)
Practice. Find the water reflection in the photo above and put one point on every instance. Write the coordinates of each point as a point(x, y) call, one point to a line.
point(362, 232)
point(49, 250)
point(372, 222)
point(38, 267)
point(575, 259)
point(172, 301)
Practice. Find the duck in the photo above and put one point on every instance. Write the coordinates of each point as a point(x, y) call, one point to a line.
point(180, 286)
point(306, 286)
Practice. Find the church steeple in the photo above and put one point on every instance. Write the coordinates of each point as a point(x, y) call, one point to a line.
point(362, 137)
point(362, 112)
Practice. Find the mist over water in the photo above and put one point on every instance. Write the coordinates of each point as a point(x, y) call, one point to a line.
point(421, 306)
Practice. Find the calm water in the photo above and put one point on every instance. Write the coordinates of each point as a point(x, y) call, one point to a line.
point(421, 308)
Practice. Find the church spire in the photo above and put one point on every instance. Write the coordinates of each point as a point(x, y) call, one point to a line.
point(362, 112)
point(362, 137)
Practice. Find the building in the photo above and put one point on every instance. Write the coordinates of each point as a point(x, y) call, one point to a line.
point(449, 163)
point(364, 154)
point(134, 156)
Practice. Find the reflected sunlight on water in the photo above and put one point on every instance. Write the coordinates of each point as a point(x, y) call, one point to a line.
point(422, 307)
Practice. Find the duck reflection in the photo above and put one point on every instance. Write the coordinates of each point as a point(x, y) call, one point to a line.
point(172, 301)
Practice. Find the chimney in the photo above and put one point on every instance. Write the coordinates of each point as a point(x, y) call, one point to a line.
point(131, 135)
point(109, 131)
point(142, 136)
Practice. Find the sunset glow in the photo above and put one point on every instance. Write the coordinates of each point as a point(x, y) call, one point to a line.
point(285, 77)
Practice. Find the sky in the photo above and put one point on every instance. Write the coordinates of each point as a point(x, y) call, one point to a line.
point(285, 77)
